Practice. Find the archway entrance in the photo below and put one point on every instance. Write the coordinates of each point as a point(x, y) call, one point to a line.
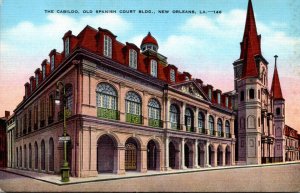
point(105, 154)
point(186, 155)
point(172, 155)
point(220, 156)
point(228, 156)
point(131, 150)
point(152, 155)
point(201, 155)
point(211, 155)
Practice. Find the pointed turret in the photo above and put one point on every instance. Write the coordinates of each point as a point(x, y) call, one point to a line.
point(276, 88)
point(250, 46)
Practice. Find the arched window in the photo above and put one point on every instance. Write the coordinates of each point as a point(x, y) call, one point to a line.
point(67, 46)
point(51, 109)
point(43, 155)
point(227, 129)
point(154, 113)
point(107, 51)
point(201, 122)
point(132, 59)
point(220, 127)
point(174, 117)
point(69, 97)
point(172, 75)
point(153, 69)
point(251, 93)
point(133, 108)
point(107, 105)
point(51, 154)
point(277, 111)
point(211, 125)
point(52, 63)
point(30, 156)
point(36, 156)
point(189, 119)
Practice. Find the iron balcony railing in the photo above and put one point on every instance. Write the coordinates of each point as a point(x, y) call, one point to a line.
point(174, 126)
point(155, 122)
point(108, 113)
point(136, 119)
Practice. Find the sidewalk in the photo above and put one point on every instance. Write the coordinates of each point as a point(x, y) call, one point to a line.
point(55, 179)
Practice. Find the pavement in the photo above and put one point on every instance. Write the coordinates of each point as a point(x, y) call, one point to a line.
point(56, 179)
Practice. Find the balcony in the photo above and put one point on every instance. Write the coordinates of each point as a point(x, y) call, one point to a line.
point(228, 135)
point(108, 113)
point(174, 126)
point(61, 114)
point(219, 133)
point(189, 128)
point(155, 123)
point(202, 130)
point(135, 119)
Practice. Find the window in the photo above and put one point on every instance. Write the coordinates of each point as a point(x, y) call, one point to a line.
point(51, 154)
point(154, 68)
point(25, 157)
point(43, 155)
point(29, 121)
point(30, 156)
point(52, 63)
point(258, 94)
point(44, 72)
point(227, 129)
point(107, 46)
point(251, 93)
point(258, 121)
point(278, 111)
point(226, 101)
point(154, 113)
point(200, 120)
point(174, 117)
point(211, 125)
point(36, 79)
point(220, 127)
point(67, 47)
point(242, 96)
point(31, 84)
point(51, 109)
point(172, 75)
point(133, 108)
point(36, 156)
point(36, 116)
point(106, 98)
point(132, 58)
point(209, 94)
point(219, 98)
point(69, 97)
point(189, 120)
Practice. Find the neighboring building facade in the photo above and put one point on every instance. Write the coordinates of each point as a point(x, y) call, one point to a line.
point(128, 109)
point(260, 113)
point(3, 147)
point(291, 144)
point(10, 136)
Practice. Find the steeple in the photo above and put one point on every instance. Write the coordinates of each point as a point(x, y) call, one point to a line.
point(276, 88)
point(250, 46)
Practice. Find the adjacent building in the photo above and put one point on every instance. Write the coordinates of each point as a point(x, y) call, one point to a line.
point(291, 144)
point(3, 147)
point(10, 136)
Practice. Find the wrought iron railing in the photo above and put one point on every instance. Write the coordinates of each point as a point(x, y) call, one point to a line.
point(174, 126)
point(136, 119)
point(189, 128)
point(108, 113)
point(228, 135)
point(202, 130)
point(155, 122)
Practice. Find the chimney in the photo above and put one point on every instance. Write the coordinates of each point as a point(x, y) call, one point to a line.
point(7, 114)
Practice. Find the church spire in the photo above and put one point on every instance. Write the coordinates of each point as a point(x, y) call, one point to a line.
point(250, 46)
point(276, 88)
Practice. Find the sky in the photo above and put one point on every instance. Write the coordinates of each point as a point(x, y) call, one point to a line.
point(204, 44)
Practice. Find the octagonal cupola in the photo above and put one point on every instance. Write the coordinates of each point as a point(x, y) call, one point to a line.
point(149, 42)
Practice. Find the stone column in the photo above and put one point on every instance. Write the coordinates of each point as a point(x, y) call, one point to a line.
point(182, 154)
point(143, 159)
point(167, 155)
point(196, 154)
point(182, 117)
point(145, 108)
point(232, 128)
point(207, 123)
point(216, 126)
point(207, 154)
point(121, 103)
point(167, 123)
point(120, 161)
point(196, 129)
point(215, 157)
point(224, 157)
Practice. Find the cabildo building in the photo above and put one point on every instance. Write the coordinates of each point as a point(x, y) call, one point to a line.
point(128, 109)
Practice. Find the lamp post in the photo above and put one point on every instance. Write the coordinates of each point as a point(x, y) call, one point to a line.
point(65, 169)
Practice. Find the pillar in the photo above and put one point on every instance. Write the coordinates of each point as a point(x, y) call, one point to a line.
point(167, 123)
point(121, 103)
point(120, 161)
point(143, 160)
point(182, 154)
point(215, 126)
point(167, 154)
point(207, 154)
point(207, 123)
point(196, 154)
point(224, 157)
point(196, 129)
point(232, 128)
point(215, 157)
point(182, 117)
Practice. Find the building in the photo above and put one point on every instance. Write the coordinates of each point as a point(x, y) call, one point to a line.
point(260, 116)
point(291, 144)
point(3, 150)
point(10, 136)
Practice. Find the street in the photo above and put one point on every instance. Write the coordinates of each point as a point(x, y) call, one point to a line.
point(283, 178)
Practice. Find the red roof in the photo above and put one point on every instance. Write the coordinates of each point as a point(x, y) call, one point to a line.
point(250, 46)
point(276, 88)
point(149, 39)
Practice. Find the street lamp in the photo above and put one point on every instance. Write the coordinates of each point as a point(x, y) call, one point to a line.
point(65, 169)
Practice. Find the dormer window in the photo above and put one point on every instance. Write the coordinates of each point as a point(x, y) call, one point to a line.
point(209, 94)
point(36, 79)
point(107, 46)
point(67, 47)
point(187, 78)
point(154, 68)
point(132, 58)
point(219, 98)
point(31, 85)
point(44, 71)
point(226, 101)
point(172, 75)
point(52, 63)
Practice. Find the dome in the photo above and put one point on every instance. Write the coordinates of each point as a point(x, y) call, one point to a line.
point(149, 42)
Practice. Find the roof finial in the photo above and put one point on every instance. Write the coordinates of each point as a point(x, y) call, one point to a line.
point(149, 33)
point(275, 59)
